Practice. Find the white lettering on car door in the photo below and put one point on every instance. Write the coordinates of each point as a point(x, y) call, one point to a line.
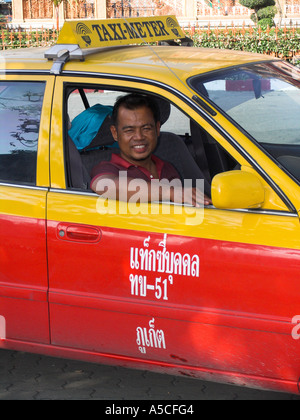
point(2, 328)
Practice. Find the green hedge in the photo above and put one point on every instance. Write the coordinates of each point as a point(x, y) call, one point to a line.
point(284, 44)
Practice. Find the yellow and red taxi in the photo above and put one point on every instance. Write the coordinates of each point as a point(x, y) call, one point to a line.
point(211, 292)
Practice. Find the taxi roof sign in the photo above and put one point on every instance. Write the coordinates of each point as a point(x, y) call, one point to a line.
point(78, 39)
point(90, 34)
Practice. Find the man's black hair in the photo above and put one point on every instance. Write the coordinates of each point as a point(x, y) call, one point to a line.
point(134, 101)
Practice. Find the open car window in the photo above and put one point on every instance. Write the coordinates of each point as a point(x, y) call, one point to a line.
point(182, 142)
point(78, 100)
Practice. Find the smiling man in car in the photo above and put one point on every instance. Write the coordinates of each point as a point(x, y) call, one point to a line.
point(136, 127)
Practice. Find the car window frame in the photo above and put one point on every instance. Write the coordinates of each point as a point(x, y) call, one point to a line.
point(43, 158)
point(127, 84)
point(18, 122)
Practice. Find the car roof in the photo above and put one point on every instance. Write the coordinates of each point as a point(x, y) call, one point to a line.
point(24, 59)
point(146, 61)
point(185, 61)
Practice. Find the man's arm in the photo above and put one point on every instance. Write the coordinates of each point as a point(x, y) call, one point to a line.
point(116, 188)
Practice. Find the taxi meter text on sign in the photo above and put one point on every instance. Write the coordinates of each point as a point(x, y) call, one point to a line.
point(104, 33)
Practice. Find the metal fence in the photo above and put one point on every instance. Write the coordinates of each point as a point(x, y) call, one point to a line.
point(17, 38)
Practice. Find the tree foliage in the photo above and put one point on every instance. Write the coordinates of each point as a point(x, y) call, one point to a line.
point(264, 10)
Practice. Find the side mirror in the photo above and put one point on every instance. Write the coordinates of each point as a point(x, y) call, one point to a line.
point(237, 190)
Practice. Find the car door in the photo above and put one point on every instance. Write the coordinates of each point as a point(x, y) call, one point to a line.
point(200, 291)
point(25, 105)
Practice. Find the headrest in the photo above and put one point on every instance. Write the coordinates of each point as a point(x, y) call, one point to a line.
point(103, 136)
point(86, 125)
point(164, 109)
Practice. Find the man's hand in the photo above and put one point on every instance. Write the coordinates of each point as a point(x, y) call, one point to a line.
point(191, 196)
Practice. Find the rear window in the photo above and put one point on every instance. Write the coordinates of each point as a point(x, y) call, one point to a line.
point(20, 113)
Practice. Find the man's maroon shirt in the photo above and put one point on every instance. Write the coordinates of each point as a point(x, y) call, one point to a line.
point(117, 164)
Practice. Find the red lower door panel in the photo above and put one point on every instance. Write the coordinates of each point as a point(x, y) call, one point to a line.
point(174, 300)
point(23, 279)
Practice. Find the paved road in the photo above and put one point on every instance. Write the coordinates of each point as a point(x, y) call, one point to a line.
point(33, 377)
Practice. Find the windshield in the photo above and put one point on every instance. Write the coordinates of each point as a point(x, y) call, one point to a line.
point(264, 99)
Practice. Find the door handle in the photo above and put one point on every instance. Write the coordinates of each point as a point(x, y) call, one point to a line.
point(79, 233)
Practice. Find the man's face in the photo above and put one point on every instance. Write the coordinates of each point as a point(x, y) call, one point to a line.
point(136, 133)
